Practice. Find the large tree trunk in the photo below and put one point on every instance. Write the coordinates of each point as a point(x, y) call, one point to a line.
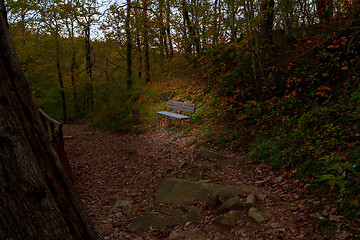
point(37, 200)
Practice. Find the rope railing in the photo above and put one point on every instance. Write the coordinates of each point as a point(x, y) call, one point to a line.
point(54, 128)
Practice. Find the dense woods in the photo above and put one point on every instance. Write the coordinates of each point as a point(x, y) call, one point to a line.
point(276, 79)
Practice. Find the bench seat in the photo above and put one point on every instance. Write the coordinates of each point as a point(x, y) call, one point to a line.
point(173, 115)
point(179, 107)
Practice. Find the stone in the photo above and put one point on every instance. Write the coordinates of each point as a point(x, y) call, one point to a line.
point(123, 205)
point(179, 191)
point(105, 228)
point(174, 234)
point(149, 221)
point(231, 160)
point(250, 200)
point(194, 213)
point(262, 196)
point(229, 218)
point(148, 207)
point(230, 204)
point(179, 217)
point(206, 154)
point(67, 137)
point(256, 215)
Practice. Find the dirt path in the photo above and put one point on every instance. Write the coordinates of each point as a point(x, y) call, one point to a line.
point(109, 167)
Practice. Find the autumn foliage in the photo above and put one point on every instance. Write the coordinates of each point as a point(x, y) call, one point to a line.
point(281, 86)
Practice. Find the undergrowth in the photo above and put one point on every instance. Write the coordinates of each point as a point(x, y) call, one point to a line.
point(304, 120)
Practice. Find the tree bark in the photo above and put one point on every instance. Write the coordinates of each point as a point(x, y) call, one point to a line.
point(191, 29)
point(162, 33)
point(37, 200)
point(168, 30)
point(128, 46)
point(324, 10)
point(267, 21)
point(89, 68)
point(146, 41)
point(70, 28)
point(60, 78)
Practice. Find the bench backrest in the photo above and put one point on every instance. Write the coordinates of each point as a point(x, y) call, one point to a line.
point(182, 106)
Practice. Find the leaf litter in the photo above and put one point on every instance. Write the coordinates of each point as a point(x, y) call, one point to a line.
point(116, 176)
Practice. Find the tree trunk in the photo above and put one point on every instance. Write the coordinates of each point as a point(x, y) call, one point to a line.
point(162, 33)
point(37, 200)
point(146, 42)
point(249, 15)
point(267, 21)
point(215, 31)
point(191, 29)
point(233, 27)
point(139, 56)
point(58, 67)
point(168, 31)
point(73, 67)
point(89, 68)
point(138, 28)
point(324, 10)
point(128, 46)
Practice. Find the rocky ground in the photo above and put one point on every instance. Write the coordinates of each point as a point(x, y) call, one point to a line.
point(166, 185)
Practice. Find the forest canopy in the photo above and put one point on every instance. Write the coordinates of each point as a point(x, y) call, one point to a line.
point(276, 79)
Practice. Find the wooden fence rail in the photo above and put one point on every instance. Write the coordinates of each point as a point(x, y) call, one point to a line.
point(54, 129)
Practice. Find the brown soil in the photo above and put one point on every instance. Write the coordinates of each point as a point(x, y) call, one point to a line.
point(108, 167)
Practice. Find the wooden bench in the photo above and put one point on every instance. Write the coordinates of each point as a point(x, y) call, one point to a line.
point(179, 106)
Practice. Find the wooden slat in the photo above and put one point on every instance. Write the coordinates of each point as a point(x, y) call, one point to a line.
point(182, 106)
point(173, 115)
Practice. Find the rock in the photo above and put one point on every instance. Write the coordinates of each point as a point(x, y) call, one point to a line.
point(124, 205)
point(105, 228)
point(230, 204)
point(231, 160)
point(194, 213)
point(150, 220)
point(180, 191)
point(174, 234)
point(148, 207)
point(229, 218)
point(200, 144)
point(89, 133)
point(225, 192)
point(262, 196)
point(250, 200)
point(67, 137)
point(206, 154)
point(179, 217)
point(256, 215)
